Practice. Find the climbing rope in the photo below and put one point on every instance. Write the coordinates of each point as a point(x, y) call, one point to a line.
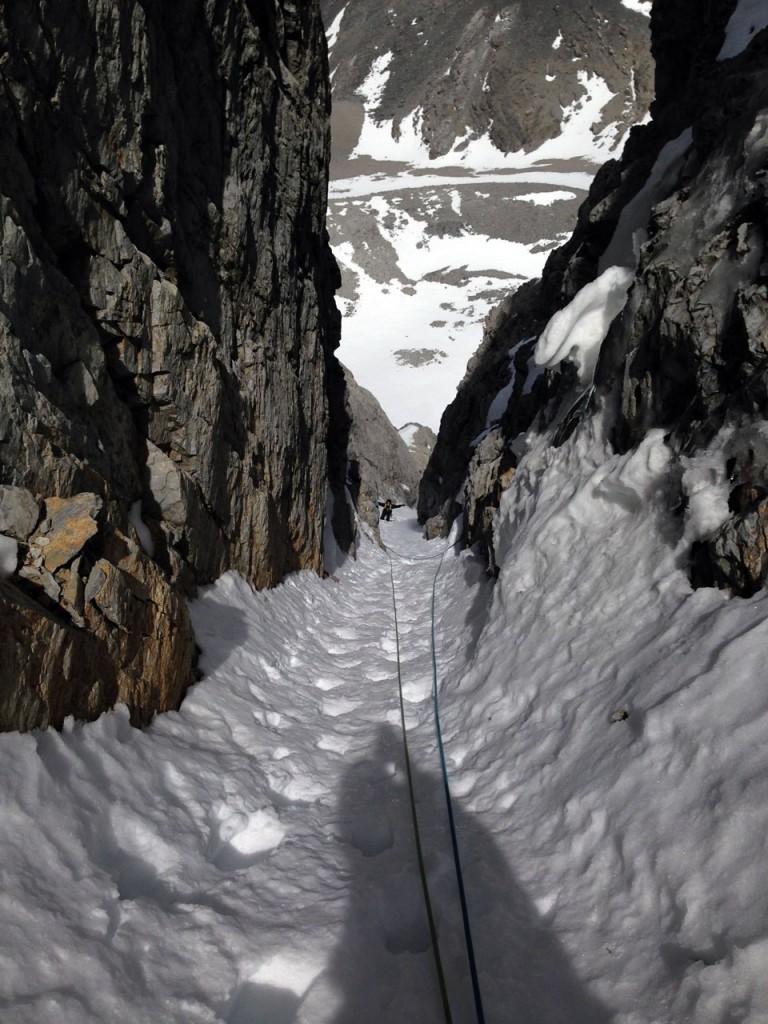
point(414, 817)
point(448, 801)
point(451, 823)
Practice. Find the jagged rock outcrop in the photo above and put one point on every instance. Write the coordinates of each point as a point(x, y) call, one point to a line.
point(499, 68)
point(686, 211)
point(88, 618)
point(379, 465)
point(420, 441)
point(735, 558)
point(166, 331)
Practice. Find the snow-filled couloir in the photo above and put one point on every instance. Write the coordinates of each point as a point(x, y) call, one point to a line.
point(251, 856)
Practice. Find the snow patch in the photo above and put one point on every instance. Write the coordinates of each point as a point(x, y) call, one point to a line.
point(631, 230)
point(332, 33)
point(639, 6)
point(545, 198)
point(577, 331)
point(142, 530)
point(749, 18)
point(372, 89)
point(9, 556)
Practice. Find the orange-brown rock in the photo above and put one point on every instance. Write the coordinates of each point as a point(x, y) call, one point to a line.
point(73, 671)
point(105, 625)
point(68, 525)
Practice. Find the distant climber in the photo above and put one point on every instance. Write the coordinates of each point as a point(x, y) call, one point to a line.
point(387, 506)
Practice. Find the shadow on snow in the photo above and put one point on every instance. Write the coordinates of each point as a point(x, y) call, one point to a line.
point(384, 967)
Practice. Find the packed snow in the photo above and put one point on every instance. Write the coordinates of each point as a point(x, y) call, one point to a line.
point(251, 857)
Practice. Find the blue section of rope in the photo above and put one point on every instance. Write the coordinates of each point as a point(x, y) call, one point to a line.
point(452, 825)
point(415, 820)
point(448, 801)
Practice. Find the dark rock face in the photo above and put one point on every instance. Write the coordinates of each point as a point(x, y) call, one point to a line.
point(507, 69)
point(166, 320)
point(736, 557)
point(421, 443)
point(688, 353)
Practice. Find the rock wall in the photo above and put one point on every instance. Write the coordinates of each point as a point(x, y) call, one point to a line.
point(168, 393)
point(685, 209)
point(380, 466)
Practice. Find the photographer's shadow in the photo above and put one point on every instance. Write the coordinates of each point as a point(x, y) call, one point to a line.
point(384, 969)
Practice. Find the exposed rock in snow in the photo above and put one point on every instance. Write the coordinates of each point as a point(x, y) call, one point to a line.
point(420, 441)
point(736, 557)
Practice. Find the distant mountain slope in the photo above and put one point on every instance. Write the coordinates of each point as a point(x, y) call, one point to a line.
point(465, 137)
point(497, 69)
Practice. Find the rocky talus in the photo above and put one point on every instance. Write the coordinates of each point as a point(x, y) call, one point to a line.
point(689, 351)
point(170, 406)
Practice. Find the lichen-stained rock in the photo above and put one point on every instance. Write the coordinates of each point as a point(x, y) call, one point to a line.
point(69, 671)
point(167, 323)
point(68, 525)
point(111, 625)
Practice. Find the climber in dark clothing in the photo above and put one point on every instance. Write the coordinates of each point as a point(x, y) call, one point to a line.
point(387, 507)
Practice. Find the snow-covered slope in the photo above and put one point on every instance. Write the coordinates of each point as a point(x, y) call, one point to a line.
point(464, 141)
point(251, 857)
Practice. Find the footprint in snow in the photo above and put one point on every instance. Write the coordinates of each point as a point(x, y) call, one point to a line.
point(335, 744)
point(371, 831)
point(328, 683)
point(275, 993)
point(336, 706)
point(240, 840)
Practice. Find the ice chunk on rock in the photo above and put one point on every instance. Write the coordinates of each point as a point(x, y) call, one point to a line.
point(577, 331)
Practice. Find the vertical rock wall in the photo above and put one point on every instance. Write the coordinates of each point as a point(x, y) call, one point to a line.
point(689, 351)
point(166, 329)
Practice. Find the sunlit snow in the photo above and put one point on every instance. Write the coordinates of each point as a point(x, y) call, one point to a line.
point(639, 6)
point(576, 332)
point(251, 857)
point(748, 18)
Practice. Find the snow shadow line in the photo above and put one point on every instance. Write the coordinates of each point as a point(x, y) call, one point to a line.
point(383, 965)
